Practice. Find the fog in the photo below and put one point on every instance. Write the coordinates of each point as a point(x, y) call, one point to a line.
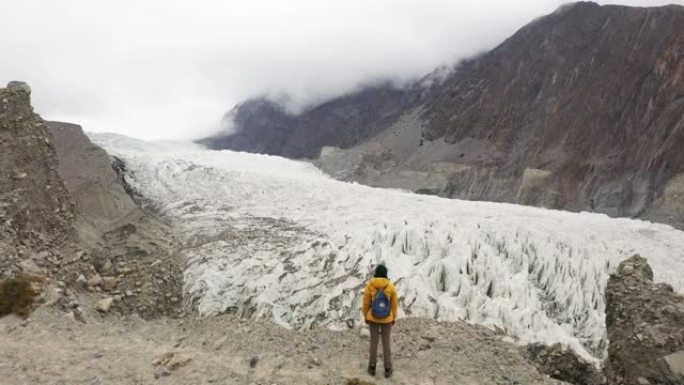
point(170, 69)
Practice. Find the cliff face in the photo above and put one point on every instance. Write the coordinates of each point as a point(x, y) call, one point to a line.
point(582, 109)
point(594, 95)
point(36, 212)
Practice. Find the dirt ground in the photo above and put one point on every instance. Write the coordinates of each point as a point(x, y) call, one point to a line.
point(52, 348)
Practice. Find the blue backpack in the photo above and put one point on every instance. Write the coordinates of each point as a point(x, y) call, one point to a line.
point(381, 304)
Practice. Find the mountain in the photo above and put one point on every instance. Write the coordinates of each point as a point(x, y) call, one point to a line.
point(263, 126)
point(582, 109)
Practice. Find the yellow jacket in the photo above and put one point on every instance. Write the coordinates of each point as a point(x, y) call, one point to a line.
point(369, 293)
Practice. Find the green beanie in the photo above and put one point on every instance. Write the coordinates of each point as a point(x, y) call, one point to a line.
point(381, 271)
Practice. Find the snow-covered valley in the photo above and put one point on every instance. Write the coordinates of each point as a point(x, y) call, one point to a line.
point(274, 238)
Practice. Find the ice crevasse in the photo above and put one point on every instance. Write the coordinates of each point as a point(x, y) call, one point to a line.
point(264, 236)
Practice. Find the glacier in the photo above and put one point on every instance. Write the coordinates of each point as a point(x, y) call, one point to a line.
point(264, 236)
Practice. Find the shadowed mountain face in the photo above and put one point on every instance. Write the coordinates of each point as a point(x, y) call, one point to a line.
point(582, 109)
point(593, 94)
point(263, 126)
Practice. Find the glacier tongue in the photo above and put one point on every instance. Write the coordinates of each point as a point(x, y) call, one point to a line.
point(269, 237)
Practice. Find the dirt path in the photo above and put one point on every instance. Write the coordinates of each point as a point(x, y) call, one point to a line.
point(53, 349)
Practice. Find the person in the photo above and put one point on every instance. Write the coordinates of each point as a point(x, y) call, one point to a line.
point(378, 293)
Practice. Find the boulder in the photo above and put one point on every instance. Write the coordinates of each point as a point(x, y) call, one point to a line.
point(104, 305)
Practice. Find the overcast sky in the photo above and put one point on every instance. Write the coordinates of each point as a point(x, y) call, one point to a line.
point(170, 69)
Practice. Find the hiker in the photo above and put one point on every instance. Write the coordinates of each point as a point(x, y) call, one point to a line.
point(380, 312)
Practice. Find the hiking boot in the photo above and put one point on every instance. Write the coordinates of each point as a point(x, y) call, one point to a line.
point(371, 370)
point(388, 372)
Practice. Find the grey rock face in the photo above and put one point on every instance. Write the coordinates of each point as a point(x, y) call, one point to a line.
point(645, 324)
point(35, 206)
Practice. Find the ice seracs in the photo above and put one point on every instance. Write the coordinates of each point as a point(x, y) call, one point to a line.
point(264, 236)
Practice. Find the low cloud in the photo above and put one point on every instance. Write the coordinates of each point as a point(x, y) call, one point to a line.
point(170, 69)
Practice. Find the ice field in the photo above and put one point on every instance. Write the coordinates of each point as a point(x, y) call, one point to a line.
point(265, 236)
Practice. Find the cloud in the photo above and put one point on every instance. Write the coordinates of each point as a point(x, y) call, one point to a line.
point(170, 69)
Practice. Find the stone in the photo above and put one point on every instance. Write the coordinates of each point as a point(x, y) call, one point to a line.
point(106, 267)
point(253, 362)
point(95, 280)
point(627, 269)
point(29, 266)
point(16, 85)
point(364, 333)
point(508, 339)
point(81, 280)
point(109, 283)
point(104, 305)
point(170, 362)
point(675, 362)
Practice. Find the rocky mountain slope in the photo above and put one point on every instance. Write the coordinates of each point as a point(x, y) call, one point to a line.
point(131, 252)
point(36, 212)
point(580, 110)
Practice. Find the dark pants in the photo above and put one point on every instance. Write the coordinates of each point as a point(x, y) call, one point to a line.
point(383, 329)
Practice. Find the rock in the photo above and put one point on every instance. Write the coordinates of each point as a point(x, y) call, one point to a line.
point(15, 85)
point(675, 362)
point(253, 362)
point(643, 381)
point(109, 283)
point(170, 362)
point(19, 176)
point(364, 333)
point(104, 305)
point(106, 267)
point(81, 281)
point(28, 266)
point(645, 325)
point(508, 339)
point(95, 280)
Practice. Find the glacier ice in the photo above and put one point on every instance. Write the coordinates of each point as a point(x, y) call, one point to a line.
point(264, 236)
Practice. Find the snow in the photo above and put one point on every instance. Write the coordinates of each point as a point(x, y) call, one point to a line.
point(264, 236)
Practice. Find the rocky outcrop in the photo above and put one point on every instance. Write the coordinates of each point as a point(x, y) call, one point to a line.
point(645, 323)
point(36, 212)
point(592, 94)
point(581, 110)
